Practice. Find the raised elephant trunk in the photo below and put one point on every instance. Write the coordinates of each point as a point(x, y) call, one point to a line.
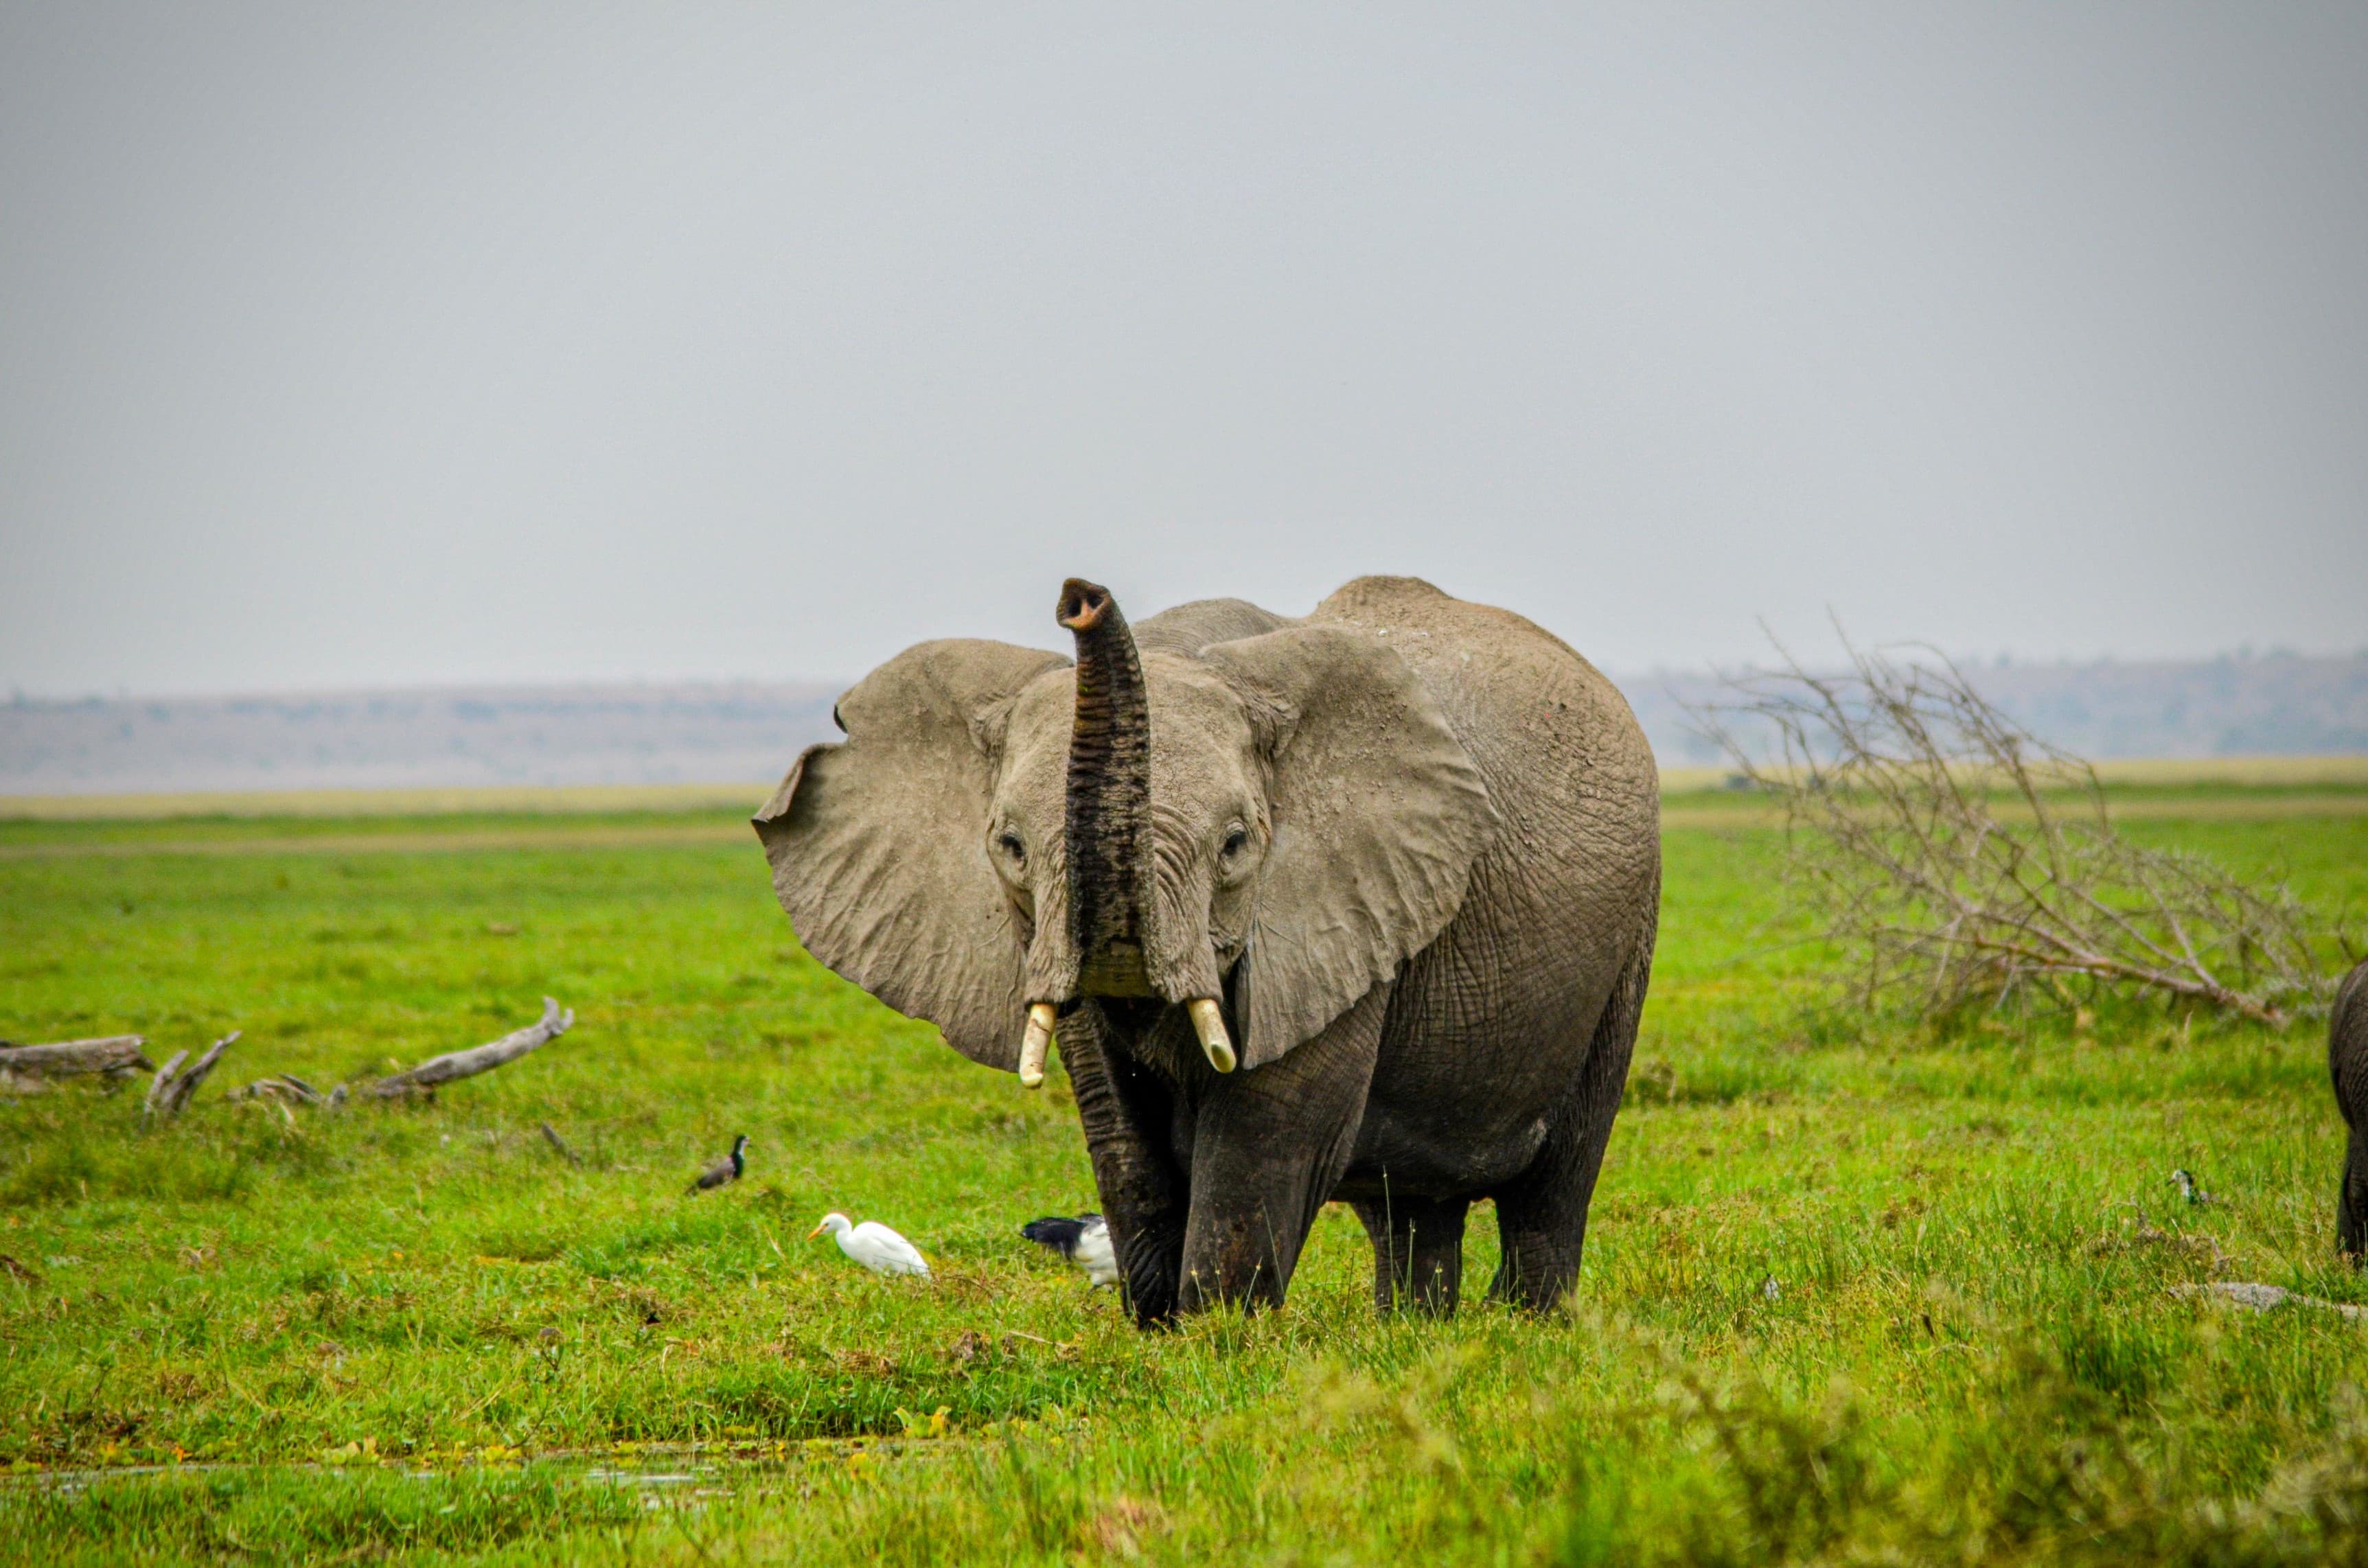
point(1108, 835)
point(1108, 794)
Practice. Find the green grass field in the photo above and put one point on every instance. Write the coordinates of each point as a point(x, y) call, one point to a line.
point(1855, 1290)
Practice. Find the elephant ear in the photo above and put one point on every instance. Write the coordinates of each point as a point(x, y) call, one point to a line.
point(1377, 815)
point(878, 843)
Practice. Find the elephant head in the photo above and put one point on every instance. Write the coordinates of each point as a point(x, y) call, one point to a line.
point(1262, 826)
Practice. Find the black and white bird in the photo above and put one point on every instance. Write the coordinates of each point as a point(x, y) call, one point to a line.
point(728, 1169)
point(1084, 1241)
point(2185, 1182)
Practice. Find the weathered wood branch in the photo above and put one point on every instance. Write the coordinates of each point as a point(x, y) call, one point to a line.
point(113, 1053)
point(173, 1086)
point(2267, 1297)
point(163, 1080)
point(457, 1064)
point(288, 1086)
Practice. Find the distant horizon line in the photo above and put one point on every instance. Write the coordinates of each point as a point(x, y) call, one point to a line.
point(18, 697)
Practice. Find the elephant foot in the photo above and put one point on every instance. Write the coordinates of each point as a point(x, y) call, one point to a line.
point(1150, 1261)
point(1232, 1265)
point(1535, 1273)
point(1251, 1297)
point(1541, 1228)
point(1418, 1253)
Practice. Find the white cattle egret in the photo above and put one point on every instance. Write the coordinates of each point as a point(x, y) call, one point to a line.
point(1084, 1241)
point(874, 1245)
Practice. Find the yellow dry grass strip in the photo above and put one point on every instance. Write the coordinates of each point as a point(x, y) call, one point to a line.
point(2285, 772)
point(2223, 808)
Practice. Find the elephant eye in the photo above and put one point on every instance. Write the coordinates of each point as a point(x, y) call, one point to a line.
point(1235, 841)
point(1010, 844)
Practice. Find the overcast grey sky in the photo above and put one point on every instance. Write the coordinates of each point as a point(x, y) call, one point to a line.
point(361, 345)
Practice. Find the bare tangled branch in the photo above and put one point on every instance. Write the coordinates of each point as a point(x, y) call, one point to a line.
point(1973, 861)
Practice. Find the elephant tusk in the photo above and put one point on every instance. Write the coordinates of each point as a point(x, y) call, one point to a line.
point(1209, 1023)
point(1032, 1045)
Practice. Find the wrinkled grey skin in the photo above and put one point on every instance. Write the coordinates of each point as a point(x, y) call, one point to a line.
point(1411, 843)
point(2347, 1063)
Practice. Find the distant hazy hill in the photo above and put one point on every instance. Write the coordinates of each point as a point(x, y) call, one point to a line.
point(2279, 706)
point(663, 734)
point(621, 735)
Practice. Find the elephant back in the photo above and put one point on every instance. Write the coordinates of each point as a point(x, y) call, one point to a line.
point(1563, 757)
point(1188, 627)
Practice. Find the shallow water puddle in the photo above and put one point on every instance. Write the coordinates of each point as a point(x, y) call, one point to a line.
point(664, 1471)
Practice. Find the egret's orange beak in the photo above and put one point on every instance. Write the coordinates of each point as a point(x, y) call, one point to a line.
point(813, 1233)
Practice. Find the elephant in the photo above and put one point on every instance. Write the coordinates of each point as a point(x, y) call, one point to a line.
point(2347, 1063)
point(1358, 906)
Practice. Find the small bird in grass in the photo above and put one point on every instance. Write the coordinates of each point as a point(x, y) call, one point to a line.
point(728, 1169)
point(2185, 1182)
point(874, 1245)
point(1084, 1241)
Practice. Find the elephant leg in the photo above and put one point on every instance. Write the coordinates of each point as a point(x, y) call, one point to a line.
point(1268, 1145)
point(2351, 1199)
point(1126, 1112)
point(1542, 1216)
point(1418, 1252)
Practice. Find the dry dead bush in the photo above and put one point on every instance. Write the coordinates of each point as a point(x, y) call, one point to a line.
point(1974, 863)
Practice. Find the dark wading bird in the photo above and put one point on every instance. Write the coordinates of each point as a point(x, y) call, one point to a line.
point(1353, 905)
point(728, 1169)
point(2347, 1062)
point(1084, 1241)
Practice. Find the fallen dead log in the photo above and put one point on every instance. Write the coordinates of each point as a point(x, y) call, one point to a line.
point(174, 1084)
point(457, 1064)
point(115, 1053)
point(2265, 1298)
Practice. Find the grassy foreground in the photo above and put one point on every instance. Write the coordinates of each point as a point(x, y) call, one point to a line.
point(1855, 1290)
